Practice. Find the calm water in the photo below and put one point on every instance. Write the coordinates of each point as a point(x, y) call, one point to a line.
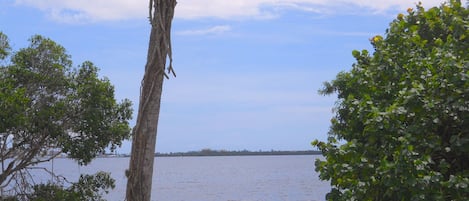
point(231, 178)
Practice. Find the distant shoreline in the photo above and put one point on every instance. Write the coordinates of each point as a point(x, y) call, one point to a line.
point(238, 153)
point(209, 152)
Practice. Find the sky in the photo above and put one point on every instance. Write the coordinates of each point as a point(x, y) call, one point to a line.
point(248, 71)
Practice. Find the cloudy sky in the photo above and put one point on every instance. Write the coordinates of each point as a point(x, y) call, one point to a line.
point(248, 70)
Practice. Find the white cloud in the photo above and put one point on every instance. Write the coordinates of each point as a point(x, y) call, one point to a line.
point(105, 10)
point(266, 8)
point(89, 10)
point(212, 30)
point(225, 9)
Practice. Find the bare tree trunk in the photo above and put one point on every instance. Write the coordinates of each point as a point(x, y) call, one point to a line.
point(140, 172)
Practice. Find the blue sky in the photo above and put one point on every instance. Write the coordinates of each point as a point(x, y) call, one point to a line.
point(248, 71)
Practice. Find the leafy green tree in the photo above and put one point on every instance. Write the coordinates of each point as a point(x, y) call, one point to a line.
point(401, 130)
point(48, 108)
point(4, 46)
point(87, 188)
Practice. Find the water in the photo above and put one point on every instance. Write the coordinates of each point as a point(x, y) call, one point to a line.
point(230, 178)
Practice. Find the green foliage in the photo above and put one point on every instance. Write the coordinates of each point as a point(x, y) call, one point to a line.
point(52, 192)
point(47, 105)
point(87, 188)
point(4, 46)
point(73, 110)
point(401, 129)
point(93, 101)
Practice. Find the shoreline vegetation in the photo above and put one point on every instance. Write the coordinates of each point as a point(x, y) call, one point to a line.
point(210, 152)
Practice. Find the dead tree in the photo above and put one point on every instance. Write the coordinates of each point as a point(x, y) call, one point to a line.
point(140, 172)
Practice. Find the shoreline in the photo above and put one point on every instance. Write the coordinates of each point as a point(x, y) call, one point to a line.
point(222, 153)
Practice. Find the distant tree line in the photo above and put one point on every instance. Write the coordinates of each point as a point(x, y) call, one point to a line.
point(210, 152)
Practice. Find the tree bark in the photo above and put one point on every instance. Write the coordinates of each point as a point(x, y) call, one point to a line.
point(140, 172)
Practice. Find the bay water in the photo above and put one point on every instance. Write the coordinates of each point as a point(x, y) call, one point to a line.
point(212, 178)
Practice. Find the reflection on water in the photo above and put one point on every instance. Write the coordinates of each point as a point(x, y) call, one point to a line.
point(233, 178)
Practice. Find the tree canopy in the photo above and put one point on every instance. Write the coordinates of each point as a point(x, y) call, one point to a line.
point(47, 107)
point(401, 129)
